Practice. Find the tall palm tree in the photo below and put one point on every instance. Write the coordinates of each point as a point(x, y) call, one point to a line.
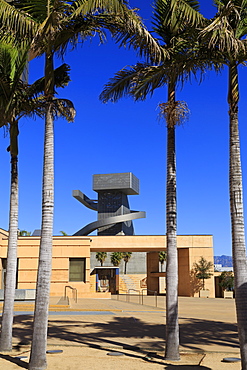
point(12, 105)
point(116, 258)
point(126, 258)
point(227, 32)
point(174, 23)
point(57, 24)
point(101, 257)
point(17, 99)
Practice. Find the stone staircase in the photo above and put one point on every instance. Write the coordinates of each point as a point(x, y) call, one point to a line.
point(64, 301)
point(131, 283)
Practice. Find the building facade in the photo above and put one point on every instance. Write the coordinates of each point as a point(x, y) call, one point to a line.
point(71, 261)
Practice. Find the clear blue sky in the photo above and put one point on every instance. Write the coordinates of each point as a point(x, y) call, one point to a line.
point(127, 137)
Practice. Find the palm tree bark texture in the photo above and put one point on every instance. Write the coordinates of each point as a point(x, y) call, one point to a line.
point(172, 327)
point(9, 294)
point(39, 341)
point(40, 326)
point(237, 215)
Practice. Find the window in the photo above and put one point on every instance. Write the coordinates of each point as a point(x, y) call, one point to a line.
point(77, 268)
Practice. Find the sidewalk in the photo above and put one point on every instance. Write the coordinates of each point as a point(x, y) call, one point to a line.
point(94, 327)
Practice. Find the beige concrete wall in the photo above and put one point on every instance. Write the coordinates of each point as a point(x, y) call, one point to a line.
point(148, 243)
point(183, 272)
point(190, 249)
point(152, 267)
point(198, 250)
point(63, 249)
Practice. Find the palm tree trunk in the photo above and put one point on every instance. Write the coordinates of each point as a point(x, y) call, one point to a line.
point(10, 283)
point(237, 215)
point(39, 341)
point(172, 328)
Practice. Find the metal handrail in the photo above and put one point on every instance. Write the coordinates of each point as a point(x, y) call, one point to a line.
point(155, 295)
point(74, 292)
point(135, 290)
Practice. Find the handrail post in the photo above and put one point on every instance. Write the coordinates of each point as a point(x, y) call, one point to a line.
point(74, 292)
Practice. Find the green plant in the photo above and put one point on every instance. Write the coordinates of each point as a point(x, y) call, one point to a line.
point(24, 233)
point(116, 258)
point(101, 257)
point(126, 257)
point(203, 270)
point(227, 280)
point(63, 233)
point(162, 257)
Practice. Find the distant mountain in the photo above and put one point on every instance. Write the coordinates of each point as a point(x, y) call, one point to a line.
point(225, 261)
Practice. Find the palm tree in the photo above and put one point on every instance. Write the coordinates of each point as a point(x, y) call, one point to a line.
point(174, 23)
point(13, 104)
point(56, 25)
point(227, 33)
point(116, 258)
point(162, 258)
point(17, 99)
point(101, 257)
point(126, 258)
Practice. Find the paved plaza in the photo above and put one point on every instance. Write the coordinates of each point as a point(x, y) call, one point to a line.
point(90, 330)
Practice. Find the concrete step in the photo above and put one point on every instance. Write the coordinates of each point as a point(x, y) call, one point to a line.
point(64, 301)
point(131, 283)
point(30, 307)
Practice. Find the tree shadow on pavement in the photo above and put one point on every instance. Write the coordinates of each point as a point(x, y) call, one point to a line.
point(14, 360)
point(187, 367)
point(197, 332)
point(194, 333)
point(130, 334)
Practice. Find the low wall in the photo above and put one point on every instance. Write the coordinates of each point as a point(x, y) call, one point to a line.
point(21, 294)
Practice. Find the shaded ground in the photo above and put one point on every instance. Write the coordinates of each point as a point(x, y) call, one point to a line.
point(208, 334)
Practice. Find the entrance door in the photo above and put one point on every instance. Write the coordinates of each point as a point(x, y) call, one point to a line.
point(107, 280)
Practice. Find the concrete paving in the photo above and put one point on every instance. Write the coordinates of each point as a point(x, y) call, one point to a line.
point(208, 332)
point(206, 324)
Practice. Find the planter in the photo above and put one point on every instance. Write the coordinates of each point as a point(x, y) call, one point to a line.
point(228, 294)
point(204, 293)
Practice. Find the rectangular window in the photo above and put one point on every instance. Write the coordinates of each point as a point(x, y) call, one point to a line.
point(77, 268)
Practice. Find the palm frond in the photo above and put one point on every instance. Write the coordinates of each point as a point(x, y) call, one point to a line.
point(37, 10)
point(137, 81)
point(61, 79)
point(172, 17)
point(132, 33)
point(150, 78)
point(86, 7)
point(226, 29)
point(120, 85)
point(124, 24)
point(76, 32)
point(63, 108)
point(14, 20)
